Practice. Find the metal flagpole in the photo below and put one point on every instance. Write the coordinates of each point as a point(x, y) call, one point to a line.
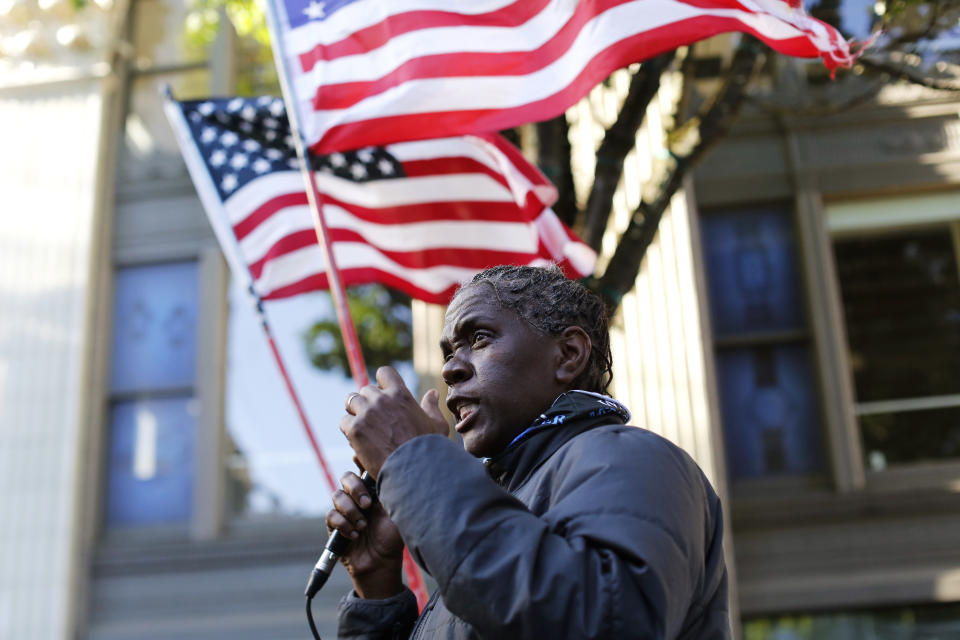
point(337, 291)
point(351, 343)
point(331, 482)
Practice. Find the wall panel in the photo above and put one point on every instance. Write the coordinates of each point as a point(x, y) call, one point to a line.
point(47, 177)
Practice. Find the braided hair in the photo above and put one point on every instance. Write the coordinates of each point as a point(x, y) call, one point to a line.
point(550, 303)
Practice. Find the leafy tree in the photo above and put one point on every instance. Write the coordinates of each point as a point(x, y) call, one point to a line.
point(384, 327)
point(256, 73)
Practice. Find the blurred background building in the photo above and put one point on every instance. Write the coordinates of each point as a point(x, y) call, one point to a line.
point(795, 326)
point(830, 259)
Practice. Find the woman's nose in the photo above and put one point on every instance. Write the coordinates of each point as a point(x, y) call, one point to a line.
point(454, 370)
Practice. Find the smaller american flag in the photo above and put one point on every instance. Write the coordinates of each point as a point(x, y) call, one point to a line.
point(422, 217)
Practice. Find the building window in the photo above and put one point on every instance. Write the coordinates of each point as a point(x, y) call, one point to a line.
point(153, 415)
point(900, 290)
point(769, 405)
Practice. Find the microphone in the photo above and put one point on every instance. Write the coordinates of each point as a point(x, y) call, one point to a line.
point(336, 546)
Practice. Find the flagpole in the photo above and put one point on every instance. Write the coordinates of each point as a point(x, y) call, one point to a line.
point(350, 340)
point(347, 329)
point(238, 266)
point(294, 396)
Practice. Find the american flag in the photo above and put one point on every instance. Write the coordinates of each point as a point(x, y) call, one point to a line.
point(368, 71)
point(422, 217)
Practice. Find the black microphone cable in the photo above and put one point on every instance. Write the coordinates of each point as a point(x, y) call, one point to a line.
point(336, 546)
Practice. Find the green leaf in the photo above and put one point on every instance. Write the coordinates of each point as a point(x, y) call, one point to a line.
point(384, 326)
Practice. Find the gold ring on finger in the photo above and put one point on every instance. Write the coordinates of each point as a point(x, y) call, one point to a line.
point(349, 400)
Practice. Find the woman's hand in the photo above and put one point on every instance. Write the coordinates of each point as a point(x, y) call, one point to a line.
point(374, 558)
point(382, 417)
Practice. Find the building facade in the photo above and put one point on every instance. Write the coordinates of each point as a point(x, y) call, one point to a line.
point(830, 251)
point(795, 327)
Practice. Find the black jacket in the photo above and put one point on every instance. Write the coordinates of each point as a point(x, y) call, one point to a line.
point(583, 528)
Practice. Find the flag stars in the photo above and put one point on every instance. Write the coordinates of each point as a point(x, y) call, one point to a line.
point(243, 139)
point(315, 10)
point(358, 171)
point(239, 161)
point(385, 167)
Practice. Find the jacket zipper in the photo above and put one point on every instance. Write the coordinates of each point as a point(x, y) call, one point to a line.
point(431, 603)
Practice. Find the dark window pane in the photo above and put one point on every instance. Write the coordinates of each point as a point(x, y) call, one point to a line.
point(151, 462)
point(752, 272)
point(154, 327)
point(769, 408)
point(910, 436)
point(901, 300)
point(769, 411)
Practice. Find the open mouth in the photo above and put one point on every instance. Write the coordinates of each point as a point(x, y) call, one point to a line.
point(463, 409)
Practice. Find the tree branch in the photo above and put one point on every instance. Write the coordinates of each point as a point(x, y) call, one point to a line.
point(904, 73)
point(688, 76)
point(926, 31)
point(617, 142)
point(553, 142)
point(828, 11)
point(512, 136)
point(688, 144)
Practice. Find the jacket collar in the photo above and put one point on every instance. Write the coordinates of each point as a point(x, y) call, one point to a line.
point(570, 414)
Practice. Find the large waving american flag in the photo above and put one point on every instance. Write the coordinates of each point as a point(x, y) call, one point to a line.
point(372, 71)
point(422, 217)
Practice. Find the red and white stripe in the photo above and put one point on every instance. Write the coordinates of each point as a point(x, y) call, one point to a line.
point(375, 72)
point(463, 206)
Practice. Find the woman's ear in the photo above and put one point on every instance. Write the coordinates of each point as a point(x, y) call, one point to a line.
point(573, 354)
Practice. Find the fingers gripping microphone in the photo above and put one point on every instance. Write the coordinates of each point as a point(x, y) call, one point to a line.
point(336, 546)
